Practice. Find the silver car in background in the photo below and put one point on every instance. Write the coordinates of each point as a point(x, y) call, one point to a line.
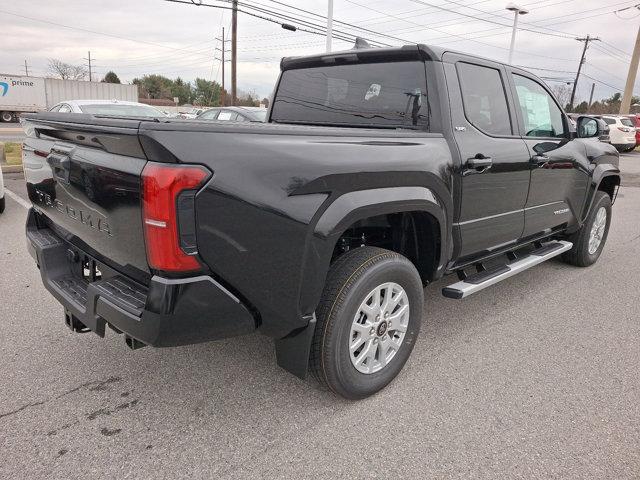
point(116, 108)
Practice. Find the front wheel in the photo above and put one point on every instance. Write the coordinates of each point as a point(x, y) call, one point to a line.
point(589, 241)
point(367, 322)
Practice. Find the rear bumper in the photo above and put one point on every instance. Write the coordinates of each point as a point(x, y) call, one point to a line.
point(626, 145)
point(167, 312)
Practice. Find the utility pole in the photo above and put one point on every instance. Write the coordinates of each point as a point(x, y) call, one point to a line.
point(26, 68)
point(234, 51)
point(329, 24)
point(631, 78)
point(593, 87)
point(222, 60)
point(88, 59)
point(586, 41)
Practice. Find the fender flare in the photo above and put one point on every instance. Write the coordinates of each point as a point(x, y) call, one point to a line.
point(353, 206)
point(601, 172)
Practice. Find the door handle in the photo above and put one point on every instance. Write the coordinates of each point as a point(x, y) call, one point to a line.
point(479, 163)
point(540, 160)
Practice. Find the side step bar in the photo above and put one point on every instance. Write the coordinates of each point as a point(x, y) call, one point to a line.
point(479, 281)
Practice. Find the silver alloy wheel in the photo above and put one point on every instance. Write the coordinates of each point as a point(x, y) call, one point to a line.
point(597, 230)
point(379, 327)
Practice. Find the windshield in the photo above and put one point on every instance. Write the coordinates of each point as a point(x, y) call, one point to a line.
point(360, 95)
point(121, 110)
point(627, 122)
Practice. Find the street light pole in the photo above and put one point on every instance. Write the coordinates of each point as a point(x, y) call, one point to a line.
point(516, 12)
point(329, 24)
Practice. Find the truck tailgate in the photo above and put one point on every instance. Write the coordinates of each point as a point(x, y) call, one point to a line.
point(90, 193)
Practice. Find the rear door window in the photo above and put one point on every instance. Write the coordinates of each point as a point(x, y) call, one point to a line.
point(391, 95)
point(227, 115)
point(484, 99)
point(209, 115)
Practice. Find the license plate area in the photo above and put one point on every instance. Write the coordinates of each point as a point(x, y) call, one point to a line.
point(90, 269)
point(85, 267)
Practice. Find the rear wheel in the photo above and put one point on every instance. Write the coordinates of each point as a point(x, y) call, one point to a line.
point(7, 116)
point(589, 241)
point(367, 322)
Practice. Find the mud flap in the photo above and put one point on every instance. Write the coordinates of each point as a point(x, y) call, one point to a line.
point(292, 351)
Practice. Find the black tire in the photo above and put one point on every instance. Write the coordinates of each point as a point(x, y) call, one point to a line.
point(7, 117)
point(2, 204)
point(350, 280)
point(579, 255)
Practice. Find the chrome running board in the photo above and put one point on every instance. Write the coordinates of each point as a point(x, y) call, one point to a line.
point(481, 280)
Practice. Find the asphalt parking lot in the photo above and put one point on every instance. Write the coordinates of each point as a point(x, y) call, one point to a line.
point(11, 133)
point(537, 377)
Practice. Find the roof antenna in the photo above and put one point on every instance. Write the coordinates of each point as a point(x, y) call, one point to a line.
point(361, 43)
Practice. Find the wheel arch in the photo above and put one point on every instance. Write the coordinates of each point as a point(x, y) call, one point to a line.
point(606, 178)
point(347, 209)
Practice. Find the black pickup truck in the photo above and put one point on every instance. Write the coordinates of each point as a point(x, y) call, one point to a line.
point(377, 172)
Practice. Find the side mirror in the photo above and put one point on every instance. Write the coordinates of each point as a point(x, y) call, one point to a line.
point(589, 127)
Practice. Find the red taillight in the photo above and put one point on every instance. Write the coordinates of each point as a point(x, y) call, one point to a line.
point(161, 185)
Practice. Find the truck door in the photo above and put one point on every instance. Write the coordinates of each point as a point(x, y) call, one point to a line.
point(559, 165)
point(493, 175)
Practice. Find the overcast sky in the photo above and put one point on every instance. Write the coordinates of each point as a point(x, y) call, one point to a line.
point(137, 37)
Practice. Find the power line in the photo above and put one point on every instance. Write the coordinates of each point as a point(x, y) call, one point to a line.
point(92, 31)
point(489, 21)
point(603, 83)
point(536, 24)
point(611, 54)
point(616, 48)
point(318, 29)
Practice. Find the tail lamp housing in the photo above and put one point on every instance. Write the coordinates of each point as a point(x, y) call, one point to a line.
point(163, 187)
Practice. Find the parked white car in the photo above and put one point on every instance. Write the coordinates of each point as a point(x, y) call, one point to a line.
point(622, 132)
point(118, 108)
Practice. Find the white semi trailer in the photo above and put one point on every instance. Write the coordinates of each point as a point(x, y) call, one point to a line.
point(22, 94)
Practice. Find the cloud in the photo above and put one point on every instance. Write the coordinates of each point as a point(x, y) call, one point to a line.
point(154, 36)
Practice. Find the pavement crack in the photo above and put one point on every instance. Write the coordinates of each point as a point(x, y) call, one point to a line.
point(106, 411)
point(18, 410)
point(96, 385)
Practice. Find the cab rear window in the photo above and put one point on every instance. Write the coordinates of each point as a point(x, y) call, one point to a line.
point(385, 95)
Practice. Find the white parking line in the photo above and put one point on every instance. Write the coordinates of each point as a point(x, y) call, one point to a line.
point(17, 198)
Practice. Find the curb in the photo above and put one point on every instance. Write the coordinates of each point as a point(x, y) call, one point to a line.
point(12, 169)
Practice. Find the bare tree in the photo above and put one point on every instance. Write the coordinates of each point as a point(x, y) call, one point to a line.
point(563, 93)
point(66, 71)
